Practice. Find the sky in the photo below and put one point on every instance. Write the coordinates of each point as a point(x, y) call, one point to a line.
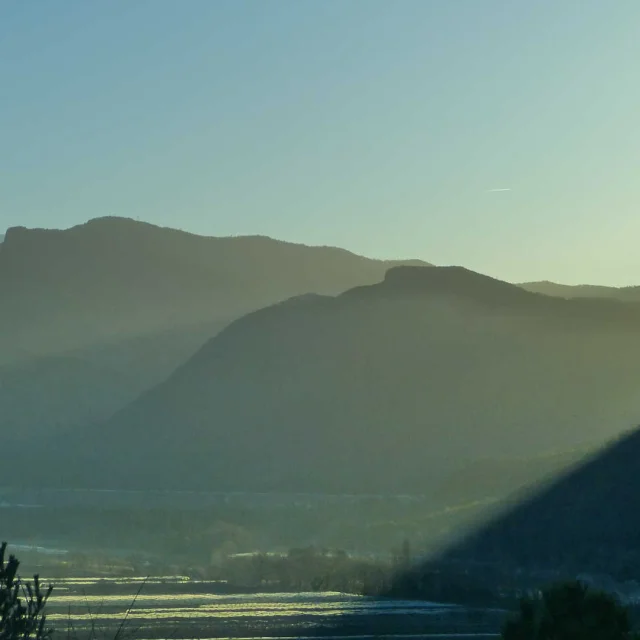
point(503, 135)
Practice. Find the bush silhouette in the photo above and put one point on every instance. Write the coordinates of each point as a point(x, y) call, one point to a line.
point(22, 604)
point(569, 611)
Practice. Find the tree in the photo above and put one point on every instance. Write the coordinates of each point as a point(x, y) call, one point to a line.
point(569, 611)
point(22, 604)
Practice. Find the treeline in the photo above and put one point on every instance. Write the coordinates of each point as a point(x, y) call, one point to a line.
point(399, 576)
point(304, 569)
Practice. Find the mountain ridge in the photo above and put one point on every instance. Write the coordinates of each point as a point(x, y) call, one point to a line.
point(101, 224)
point(124, 276)
point(554, 289)
point(95, 305)
point(332, 393)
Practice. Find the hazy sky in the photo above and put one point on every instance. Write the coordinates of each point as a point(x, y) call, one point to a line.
point(499, 134)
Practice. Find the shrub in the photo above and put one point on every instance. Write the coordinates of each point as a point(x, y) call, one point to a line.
point(22, 604)
point(569, 611)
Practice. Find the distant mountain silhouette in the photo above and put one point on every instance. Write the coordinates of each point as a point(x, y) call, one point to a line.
point(86, 386)
point(113, 278)
point(94, 315)
point(390, 387)
point(627, 294)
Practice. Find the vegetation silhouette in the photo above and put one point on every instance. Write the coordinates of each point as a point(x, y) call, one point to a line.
point(22, 604)
point(570, 611)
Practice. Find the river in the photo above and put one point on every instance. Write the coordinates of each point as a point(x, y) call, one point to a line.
point(180, 608)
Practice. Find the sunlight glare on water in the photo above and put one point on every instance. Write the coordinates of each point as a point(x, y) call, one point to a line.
point(188, 609)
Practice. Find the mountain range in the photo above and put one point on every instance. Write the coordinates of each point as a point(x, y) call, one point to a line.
point(394, 387)
point(93, 315)
point(140, 357)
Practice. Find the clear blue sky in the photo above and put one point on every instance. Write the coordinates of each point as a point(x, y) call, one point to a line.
point(377, 125)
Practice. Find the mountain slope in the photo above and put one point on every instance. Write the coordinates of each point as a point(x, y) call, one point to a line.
point(385, 388)
point(587, 520)
point(87, 386)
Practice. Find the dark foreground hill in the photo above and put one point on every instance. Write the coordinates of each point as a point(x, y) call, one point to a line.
point(586, 521)
point(388, 388)
point(93, 315)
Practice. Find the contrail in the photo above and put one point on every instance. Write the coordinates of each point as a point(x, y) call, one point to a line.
point(496, 190)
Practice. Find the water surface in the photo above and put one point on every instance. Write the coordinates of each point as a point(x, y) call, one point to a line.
point(180, 608)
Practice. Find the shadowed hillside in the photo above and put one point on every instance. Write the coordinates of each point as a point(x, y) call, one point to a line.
point(587, 519)
point(583, 524)
point(386, 388)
